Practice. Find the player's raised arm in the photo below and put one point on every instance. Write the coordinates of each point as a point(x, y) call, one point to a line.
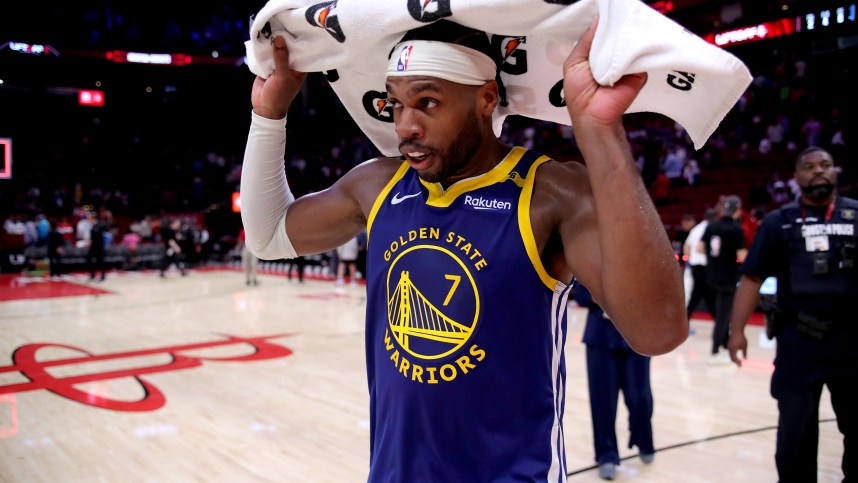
point(626, 260)
point(317, 222)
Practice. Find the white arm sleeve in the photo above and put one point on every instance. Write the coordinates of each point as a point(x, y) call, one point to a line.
point(265, 194)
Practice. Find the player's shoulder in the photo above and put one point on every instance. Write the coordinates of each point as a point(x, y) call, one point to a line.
point(373, 171)
point(366, 180)
point(563, 178)
point(562, 192)
point(379, 166)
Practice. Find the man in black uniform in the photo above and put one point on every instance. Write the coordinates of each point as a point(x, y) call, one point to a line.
point(723, 241)
point(56, 245)
point(173, 238)
point(95, 255)
point(810, 246)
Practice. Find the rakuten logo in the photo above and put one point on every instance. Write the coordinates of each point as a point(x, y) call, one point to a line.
point(487, 204)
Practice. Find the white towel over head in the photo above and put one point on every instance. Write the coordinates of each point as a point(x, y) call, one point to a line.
point(690, 80)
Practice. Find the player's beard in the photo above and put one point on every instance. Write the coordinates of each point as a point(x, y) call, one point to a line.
point(460, 153)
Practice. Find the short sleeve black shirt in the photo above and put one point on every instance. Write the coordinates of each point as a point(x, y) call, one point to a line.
point(723, 239)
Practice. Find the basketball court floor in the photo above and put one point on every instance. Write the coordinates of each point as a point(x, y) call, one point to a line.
point(202, 378)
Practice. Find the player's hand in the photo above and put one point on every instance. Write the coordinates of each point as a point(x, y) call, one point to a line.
point(587, 100)
point(738, 343)
point(272, 97)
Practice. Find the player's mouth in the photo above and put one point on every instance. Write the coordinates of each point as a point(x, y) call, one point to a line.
point(418, 158)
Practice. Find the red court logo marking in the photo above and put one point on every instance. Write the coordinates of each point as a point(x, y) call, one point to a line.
point(25, 361)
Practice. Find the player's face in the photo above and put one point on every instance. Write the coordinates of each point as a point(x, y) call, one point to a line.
point(437, 124)
point(816, 175)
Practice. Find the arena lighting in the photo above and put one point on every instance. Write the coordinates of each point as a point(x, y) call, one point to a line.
point(34, 49)
point(817, 20)
point(662, 6)
point(5, 158)
point(122, 56)
point(768, 30)
point(826, 18)
point(236, 202)
point(90, 97)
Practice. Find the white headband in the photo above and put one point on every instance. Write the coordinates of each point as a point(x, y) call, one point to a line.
point(447, 61)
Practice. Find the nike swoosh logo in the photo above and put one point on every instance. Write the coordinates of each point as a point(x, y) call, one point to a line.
point(399, 199)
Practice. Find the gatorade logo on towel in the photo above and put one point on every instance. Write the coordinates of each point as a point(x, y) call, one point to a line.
point(428, 11)
point(404, 55)
point(324, 15)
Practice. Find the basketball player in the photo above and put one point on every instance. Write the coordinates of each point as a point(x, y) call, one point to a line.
point(472, 247)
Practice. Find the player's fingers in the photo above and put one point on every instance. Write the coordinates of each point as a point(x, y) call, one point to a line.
point(581, 51)
point(281, 53)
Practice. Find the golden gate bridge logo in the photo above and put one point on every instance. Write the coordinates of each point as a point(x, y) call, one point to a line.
point(412, 315)
point(26, 363)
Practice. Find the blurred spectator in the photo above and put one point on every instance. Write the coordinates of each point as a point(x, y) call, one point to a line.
point(812, 129)
point(131, 240)
point(14, 225)
point(674, 164)
point(56, 246)
point(249, 262)
point(778, 191)
point(660, 189)
point(691, 171)
point(96, 243)
point(347, 254)
point(66, 230)
point(83, 229)
point(43, 227)
point(750, 222)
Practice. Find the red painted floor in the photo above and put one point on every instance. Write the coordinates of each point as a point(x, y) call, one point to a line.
point(18, 287)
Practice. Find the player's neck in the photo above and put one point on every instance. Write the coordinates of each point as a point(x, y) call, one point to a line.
point(483, 160)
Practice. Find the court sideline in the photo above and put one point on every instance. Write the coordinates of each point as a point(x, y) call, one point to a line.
point(202, 378)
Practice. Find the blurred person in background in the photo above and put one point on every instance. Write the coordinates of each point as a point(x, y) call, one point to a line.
point(249, 262)
point(612, 366)
point(56, 246)
point(173, 239)
point(811, 247)
point(723, 242)
point(695, 267)
point(347, 254)
point(98, 235)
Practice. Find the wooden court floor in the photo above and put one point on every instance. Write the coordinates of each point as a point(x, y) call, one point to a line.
point(202, 378)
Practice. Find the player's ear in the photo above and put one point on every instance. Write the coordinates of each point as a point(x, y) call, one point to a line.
point(488, 98)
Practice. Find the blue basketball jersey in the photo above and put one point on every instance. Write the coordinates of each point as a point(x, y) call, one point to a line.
point(465, 332)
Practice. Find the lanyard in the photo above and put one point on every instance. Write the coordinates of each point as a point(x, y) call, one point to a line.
point(829, 212)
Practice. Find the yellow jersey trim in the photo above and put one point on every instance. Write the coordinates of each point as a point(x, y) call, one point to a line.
point(442, 199)
point(527, 229)
point(403, 168)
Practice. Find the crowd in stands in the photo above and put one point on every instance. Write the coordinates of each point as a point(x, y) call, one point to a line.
point(784, 110)
point(184, 27)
